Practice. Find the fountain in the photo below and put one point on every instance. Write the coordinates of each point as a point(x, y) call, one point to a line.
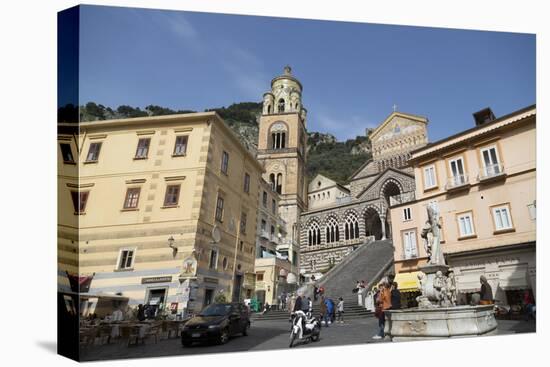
point(437, 315)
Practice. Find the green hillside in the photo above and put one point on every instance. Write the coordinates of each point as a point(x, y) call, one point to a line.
point(325, 155)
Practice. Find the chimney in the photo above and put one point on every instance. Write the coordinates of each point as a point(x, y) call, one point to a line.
point(484, 116)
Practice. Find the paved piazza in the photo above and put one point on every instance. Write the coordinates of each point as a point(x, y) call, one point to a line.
point(268, 335)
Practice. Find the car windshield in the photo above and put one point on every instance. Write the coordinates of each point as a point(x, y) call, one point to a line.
point(216, 310)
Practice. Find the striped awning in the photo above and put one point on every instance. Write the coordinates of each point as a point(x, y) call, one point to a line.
point(407, 282)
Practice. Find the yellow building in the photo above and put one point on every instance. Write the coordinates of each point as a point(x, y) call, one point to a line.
point(482, 183)
point(139, 197)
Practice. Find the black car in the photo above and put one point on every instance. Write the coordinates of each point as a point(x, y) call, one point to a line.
point(216, 323)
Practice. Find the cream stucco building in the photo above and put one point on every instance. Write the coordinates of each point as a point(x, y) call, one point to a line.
point(138, 197)
point(482, 182)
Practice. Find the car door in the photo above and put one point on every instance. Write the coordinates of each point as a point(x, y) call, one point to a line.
point(234, 319)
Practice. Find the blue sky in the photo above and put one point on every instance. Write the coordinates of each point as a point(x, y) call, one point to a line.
point(352, 73)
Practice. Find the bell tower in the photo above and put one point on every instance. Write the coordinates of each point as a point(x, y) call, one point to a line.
point(282, 151)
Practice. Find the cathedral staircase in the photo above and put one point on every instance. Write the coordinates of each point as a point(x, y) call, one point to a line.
point(369, 262)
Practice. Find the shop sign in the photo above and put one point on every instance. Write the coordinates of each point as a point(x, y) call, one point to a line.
point(174, 308)
point(211, 280)
point(151, 280)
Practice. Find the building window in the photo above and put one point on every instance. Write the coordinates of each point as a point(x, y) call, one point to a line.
point(243, 223)
point(93, 152)
point(260, 277)
point(142, 148)
point(502, 218)
point(273, 206)
point(314, 234)
point(225, 162)
point(219, 209)
point(264, 199)
point(491, 165)
point(180, 148)
point(172, 195)
point(213, 264)
point(246, 187)
point(132, 198)
point(225, 263)
point(409, 244)
point(66, 153)
point(272, 231)
point(351, 227)
point(278, 140)
point(241, 246)
point(79, 201)
point(466, 224)
point(457, 172)
point(332, 231)
point(263, 226)
point(407, 214)
point(429, 177)
point(126, 259)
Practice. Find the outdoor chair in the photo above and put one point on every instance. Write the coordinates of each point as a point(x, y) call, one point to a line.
point(153, 332)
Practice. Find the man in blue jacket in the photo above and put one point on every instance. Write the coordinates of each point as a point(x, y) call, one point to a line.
point(330, 309)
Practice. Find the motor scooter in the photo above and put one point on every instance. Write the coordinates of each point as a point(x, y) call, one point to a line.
point(304, 327)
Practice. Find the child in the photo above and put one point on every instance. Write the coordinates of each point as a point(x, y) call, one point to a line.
point(340, 308)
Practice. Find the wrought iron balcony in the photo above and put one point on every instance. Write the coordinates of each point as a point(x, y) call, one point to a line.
point(457, 182)
point(265, 234)
point(402, 198)
point(490, 172)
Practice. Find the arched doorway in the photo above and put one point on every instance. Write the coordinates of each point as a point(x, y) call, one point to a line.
point(373, 224)
point(389, 189)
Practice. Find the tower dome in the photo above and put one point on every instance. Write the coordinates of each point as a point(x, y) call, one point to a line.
point(285, 95)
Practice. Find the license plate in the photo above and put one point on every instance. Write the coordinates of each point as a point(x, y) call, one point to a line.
point(196, 335)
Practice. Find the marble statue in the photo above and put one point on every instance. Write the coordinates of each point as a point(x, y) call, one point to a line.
point(451, 288)
point(431, 235)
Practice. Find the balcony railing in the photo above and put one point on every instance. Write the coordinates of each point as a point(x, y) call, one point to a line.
point(265, 234)
point(402, 198)
point(491, 171)
point(456, 182)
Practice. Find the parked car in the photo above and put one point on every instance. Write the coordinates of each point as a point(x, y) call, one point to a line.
point(216, 323)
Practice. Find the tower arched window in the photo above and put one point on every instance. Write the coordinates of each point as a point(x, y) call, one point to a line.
point(272, 181)
point(268, 109)
point(281, 105)
point(279, 186)
point(351, 227)
point(278, 136)
point(314, 234)
point(332, 231)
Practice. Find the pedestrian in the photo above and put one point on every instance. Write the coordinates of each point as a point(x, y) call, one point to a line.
point(298, 304)
point(290, 303)
point(309, 305)
point(528, 305)
point(315, 292)
point(486, 292)
point(305, 304)
point(395, 297)
point(383, 303)
point(340, 308)
point(141, 313)
point(323, 310)
point(330, 310)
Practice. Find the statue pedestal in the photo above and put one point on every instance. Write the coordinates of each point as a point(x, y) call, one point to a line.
point(440, 322)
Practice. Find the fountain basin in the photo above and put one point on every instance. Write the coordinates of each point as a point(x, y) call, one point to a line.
point(440, 322)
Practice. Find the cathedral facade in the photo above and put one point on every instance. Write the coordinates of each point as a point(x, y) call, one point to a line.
point(342, 217)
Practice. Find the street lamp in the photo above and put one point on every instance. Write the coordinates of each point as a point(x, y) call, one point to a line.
point(171, 245)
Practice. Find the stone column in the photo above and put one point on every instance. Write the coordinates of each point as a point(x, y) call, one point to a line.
point(383, 222)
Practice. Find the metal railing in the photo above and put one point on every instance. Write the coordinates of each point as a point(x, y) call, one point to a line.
point(265, 234)
point(456, 181)
point(489, 171)
point(402, 198)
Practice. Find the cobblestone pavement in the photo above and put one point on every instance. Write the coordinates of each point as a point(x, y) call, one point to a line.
point(268, 335)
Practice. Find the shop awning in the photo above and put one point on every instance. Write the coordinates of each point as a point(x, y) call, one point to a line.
point(407, 282)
